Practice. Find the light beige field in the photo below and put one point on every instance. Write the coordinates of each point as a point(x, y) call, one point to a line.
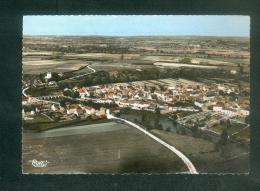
point(41, 66)
point(174, 64)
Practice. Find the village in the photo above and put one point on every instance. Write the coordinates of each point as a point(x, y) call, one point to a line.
point(187, 102)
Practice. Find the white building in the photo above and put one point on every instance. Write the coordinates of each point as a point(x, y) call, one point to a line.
point(233, 71)
point(89, 110)
point(217, 108)
point(48, 76)
point(198, 104)
point(53, 107)
point(244, 112)
point(227, 112)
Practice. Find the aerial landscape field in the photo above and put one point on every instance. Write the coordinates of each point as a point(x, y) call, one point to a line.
point(135, 104)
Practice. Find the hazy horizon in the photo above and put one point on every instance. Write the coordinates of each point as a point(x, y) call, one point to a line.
point(137, 25)
point(128, 36)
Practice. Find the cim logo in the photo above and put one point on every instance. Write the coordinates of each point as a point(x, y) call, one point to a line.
point(39, 164)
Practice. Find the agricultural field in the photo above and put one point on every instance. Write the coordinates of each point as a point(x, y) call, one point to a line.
point(101, 148)
point(38, 66)
point(205, 156)
point(234, 128)
point(61, 54)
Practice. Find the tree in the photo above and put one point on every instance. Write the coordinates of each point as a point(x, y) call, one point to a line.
point(146, 122)
point(223, 137)
point(67, 93)
point(157, 110)
point(221, 92)
point(159, 127)
point(145, 87)
point(75, 94)
point(196, 131)
point(63, 103)
point(156, 122)
point(42, 75)
point(143, 119)
point(153, 89)
point(247, 119)
point(228, 124)
point(162, 87)
point(174, 123)
point(185, 60)
point(182, 130)
point(55, 77)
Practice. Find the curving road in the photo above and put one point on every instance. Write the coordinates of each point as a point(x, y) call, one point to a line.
point(25, 95)
point(187, 162)
point(74, 77)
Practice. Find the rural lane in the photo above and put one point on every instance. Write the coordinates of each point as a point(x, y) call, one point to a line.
point(74, 77)
point(25, 95)
point(187, 162)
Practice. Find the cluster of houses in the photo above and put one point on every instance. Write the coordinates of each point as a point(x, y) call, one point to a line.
point(223, 98)
point(85, 111)
point(71, 111)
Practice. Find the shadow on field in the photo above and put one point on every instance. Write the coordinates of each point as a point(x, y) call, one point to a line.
point(150, 165)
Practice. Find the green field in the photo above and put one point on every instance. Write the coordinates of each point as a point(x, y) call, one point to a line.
point(38, 119)
point(39, 126)
point(107, 148)
point(230, 158)
point(243, 136)
point(232, 129)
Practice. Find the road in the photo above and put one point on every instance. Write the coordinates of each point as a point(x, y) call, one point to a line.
point(47, 117)
point(74, 77)
point(187, 162)
point(25, 95)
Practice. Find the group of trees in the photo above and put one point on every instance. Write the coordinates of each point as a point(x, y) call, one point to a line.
point(41, 91)
point(71, 93)
point(185, 60)
point(149, 120)
point(224, 134)
point(105, 77)
point(55, 76)
point(99, 105)
point(128, 75)
point(199, 73)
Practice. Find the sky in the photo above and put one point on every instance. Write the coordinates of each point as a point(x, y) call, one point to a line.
point(119, 25)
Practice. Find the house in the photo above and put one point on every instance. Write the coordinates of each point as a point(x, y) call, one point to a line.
point(199, 104)
point(89, 110)
point(217, 108)
point(227, 111)
point(32, 112)
point(52, 83)
point(83, 93)
point(74, 109)
point(101, 111)
point(23, 113)
point(48, 76)
point(98, 117)
point(230, 112)
point(53, 107)
point(233, 71)
point(24, 100)
point(244, 112)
